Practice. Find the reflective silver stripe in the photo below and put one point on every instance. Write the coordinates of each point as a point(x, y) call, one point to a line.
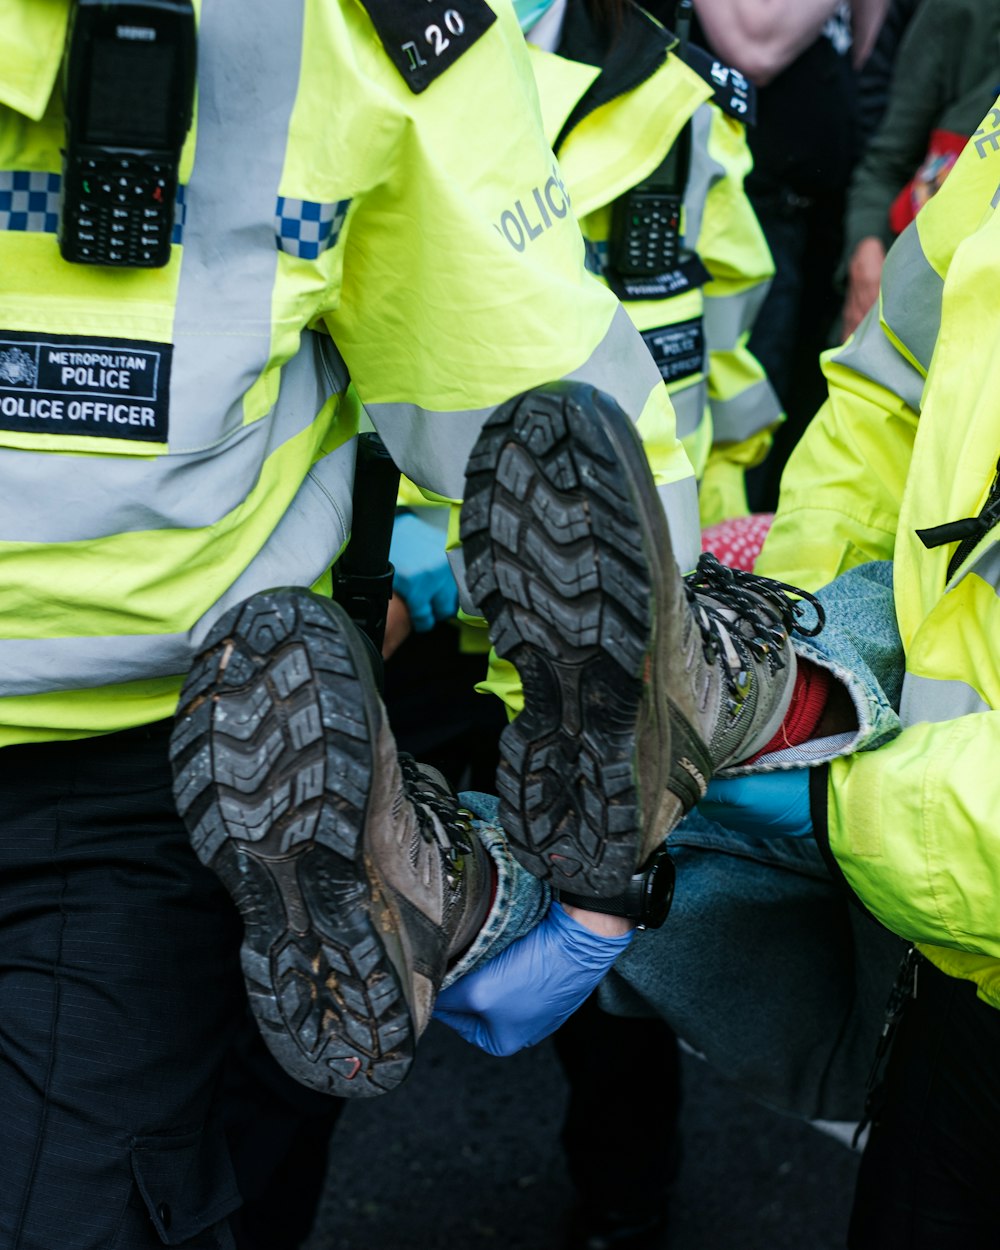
point(680, 503)
point(747, 413)
point(728, 317)
point(689, 407)
point(987, 568)
point(872, 355)
point(35, 666)
point(927, 699)
point(456, 558)
point(621, 366)
point(306, 541)
point(911, 296)
point(219, 353)
point(704, 172)
point(432, 448)
point(106, 495)
point(297, 553)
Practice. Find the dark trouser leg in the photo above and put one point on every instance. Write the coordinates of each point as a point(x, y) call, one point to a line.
point(796, 322)
point(279, 1138)
point(928, 1175)
point(119, 987)
point(620, 1131)
point(461, 737)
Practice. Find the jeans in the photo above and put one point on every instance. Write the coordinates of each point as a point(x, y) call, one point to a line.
point(764, 966)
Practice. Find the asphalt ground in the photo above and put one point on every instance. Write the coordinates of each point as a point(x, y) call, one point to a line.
point(466, 1156)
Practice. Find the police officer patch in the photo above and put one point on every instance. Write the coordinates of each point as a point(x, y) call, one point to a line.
point(679, 349)
point(689, 272)
point(68, 384)
point(423, 39)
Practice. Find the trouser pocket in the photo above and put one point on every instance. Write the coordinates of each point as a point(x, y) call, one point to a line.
point(187, 1189)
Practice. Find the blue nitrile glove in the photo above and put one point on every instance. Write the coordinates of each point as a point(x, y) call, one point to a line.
point(768, 804)
point(528, 990)
point(423, 577)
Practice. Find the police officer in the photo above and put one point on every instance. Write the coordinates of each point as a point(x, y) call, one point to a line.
point(900, 465)
point(354, 226)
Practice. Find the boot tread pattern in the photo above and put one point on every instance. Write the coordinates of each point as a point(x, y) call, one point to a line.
point(554, 561)
point(273, 760)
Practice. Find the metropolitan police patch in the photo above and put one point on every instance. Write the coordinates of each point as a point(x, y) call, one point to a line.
point(679, 349)
point(69, 384)
point(424, 40)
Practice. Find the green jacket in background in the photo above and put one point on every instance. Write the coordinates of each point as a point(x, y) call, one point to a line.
point(947, 71)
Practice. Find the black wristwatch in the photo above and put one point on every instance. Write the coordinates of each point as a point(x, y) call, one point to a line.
point(646, 899)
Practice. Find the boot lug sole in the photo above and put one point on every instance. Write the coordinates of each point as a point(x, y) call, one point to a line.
point(556, 563)
point(273, 755)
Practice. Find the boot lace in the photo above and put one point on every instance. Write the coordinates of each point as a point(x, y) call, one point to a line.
point(764, 614)
point(439, 818)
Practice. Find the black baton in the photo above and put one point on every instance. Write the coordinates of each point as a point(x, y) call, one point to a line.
point(362, 577)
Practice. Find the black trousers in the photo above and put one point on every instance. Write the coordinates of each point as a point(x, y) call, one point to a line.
point(929, 1169)
point(620, 1133)
point(797, 320)
point(435, 712)
point(121, 999)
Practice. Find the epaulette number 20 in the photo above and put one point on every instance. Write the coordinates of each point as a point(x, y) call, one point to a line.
point(435, 38)
point(422, 49)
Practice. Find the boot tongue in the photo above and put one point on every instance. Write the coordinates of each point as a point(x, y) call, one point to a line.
point(477, 897)
point(470, 868)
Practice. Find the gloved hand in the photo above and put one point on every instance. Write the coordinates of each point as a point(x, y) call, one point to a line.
point(768, 804)
point(528, 990)
point(423, 576)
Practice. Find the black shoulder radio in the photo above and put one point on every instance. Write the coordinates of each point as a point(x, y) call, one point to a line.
point(646, 221)
point(128, 86)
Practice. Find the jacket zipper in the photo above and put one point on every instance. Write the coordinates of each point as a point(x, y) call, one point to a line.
point(968, 532)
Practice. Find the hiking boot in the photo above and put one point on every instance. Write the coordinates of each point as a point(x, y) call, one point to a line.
point(637, 683)
point(562, 529)
point(356, 873)
point(733, 673)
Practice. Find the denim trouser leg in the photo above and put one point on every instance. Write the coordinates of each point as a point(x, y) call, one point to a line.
point(766, 969)
point(763, 964)
point(521, 900)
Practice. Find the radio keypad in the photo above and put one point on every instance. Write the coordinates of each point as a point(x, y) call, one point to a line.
point(125, 212)
point(653, 235)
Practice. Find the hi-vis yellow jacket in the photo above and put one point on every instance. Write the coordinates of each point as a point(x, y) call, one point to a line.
point(173, 440)
point(909, 441)
point(612, 113)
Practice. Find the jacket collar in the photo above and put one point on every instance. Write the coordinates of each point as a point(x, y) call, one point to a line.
point(32, 36)
point(625, 60)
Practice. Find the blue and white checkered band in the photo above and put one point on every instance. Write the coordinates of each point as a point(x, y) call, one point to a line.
point(596, 256)
point(306, 229)
point(180, 213)
point(30, 201)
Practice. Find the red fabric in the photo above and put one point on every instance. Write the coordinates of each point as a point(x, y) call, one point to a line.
point(812, 689)
point(737, 542)
point(943, 148)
